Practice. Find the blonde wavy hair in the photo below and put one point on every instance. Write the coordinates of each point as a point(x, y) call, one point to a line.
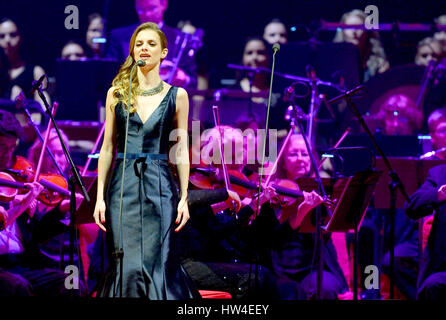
point(122, 80)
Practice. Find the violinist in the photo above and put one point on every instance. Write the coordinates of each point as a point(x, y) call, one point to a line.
point(57, 246)
point(294, 258)
point(221, 248)
point(20, 271)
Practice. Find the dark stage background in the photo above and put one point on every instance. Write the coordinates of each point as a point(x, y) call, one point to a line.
point(226, 23)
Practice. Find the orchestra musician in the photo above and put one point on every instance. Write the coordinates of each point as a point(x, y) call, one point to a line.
point(21, 272)
point(294, 258)
point(56, 250)
point(428, 200)
point(153, 11)
point(228, 246)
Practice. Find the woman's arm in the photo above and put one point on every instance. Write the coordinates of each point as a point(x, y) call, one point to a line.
point(105, 159)
point(182, 155)
point(311, 200)
point(18, 207)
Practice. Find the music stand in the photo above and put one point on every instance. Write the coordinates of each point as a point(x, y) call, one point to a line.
point(82, 86)
point(308, 184)
point(350, 211)
point(353, 201)
point(233, 107)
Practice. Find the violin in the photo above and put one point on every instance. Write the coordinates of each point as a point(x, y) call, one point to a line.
point(9, 187)
point(208, 178)
point(22, 169)
point(56, 186)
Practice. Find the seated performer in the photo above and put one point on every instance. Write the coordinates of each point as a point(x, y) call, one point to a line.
point(275, 32)
point(372, 56)
point(429, 199)
point(22, 72)
point(21, 272)
point(153, 11)
point(437, 129)
point(399, 115)
point(295, 258)
point(237, 247)
point(55, 250)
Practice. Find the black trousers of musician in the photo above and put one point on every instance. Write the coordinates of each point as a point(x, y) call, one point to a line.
point(20, 280)
point(240, 281)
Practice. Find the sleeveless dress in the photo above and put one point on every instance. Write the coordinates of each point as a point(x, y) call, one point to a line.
point(151, 266)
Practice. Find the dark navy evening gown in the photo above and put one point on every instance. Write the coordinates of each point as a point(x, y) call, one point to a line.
point(151, 267)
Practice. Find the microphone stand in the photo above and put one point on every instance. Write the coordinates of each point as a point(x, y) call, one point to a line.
point(34, 126)
point(318, 242)
point(118, 254)
point(314, 106)
point(276, 48)
point(395, 181)
point(73, 180)
point(427, 77)
point(251, 80)
point(285, 76)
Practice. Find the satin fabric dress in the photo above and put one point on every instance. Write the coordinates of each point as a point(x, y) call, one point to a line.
point(151, 266)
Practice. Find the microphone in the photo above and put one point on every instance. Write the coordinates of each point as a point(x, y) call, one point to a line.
point(140, 63)
point(20, 100)
point(294, 112)
point(347, 93)
point(289, 92)
point(276, 47)
point(36, 84)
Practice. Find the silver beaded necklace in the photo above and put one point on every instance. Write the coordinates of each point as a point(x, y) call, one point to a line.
point(151, 92)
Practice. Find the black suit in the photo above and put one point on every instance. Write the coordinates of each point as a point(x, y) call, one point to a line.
point(119, 42)
point(424, 202)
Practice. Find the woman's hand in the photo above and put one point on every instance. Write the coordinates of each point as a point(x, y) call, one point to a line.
point(269, 193)
point(65, 204)
point(311, 200)
point(35, 188)
point(183, 214)
point(233, 199)
point(99, 214)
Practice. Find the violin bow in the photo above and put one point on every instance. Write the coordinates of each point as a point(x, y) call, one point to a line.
point(223, 162)
point(280, 154)
point(95, 147)
point(45, 142)
point(20, 104)
point(346, 132)
point(268, 179)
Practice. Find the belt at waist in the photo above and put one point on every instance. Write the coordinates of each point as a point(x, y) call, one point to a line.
point(147, 156)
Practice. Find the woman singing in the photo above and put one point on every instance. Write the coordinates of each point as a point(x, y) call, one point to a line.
point(152, 211)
